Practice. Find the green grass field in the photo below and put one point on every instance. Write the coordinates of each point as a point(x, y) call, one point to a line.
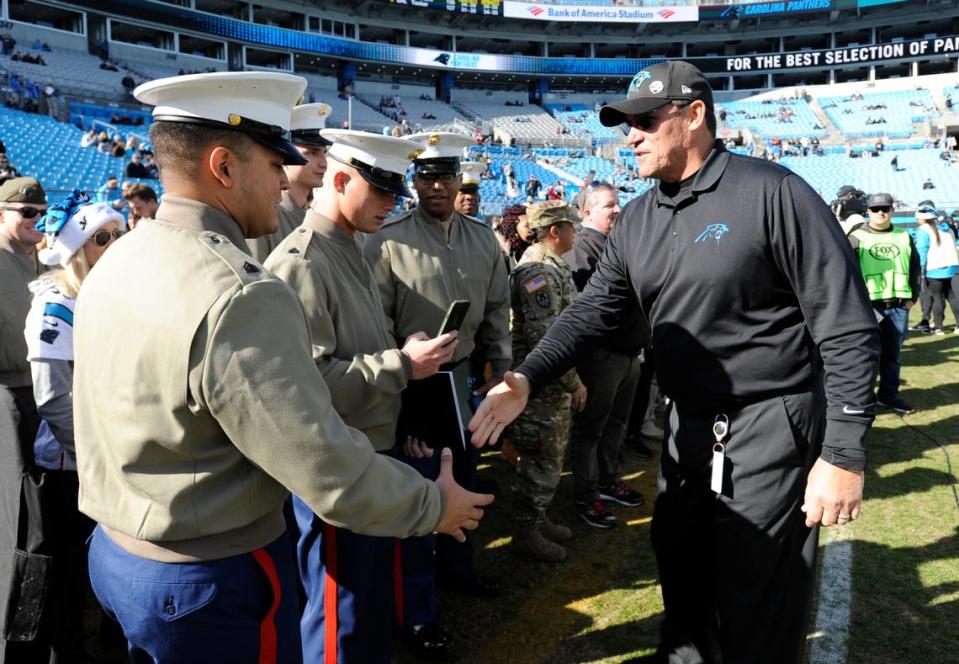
point(603, 604)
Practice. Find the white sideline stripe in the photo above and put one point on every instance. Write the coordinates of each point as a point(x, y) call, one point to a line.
point(829, 640)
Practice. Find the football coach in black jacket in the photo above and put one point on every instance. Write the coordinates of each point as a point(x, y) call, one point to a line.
point(744, 278)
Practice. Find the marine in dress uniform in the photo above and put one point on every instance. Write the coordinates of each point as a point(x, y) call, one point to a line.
point(306, 123)
point(348, 577)
point(23, 573)
point(422, 261)
point(209, 408)
point(542, 286)
point(468, 197)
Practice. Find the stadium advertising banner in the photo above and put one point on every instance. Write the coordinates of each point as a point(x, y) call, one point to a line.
point(539, 11)
point(850, 55)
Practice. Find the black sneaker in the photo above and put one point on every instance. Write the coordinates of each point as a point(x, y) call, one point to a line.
point(897, 405)
point(621, 493)
point(642, 450)
point(595, 514)
point(922, 326)
point(428, 641)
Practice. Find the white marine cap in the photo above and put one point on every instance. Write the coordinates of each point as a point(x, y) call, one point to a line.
point(441, 152)
point(307, 122)
point(259, 104)
point(381, 160)
point(472, 170)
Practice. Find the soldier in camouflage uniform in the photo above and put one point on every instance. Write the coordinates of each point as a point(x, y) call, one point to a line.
point(542, 286)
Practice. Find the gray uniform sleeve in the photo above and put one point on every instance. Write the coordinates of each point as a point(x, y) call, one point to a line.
point(377, 253)
point(53, 392)
point(258, 380)
point(808, 244)
point(360, 383)
point(493, 334)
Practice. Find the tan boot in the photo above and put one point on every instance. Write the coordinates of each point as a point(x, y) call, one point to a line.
point(555, 532)
point(529, 542)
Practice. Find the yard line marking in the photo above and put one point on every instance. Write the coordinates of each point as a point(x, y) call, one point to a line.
point(829, 640)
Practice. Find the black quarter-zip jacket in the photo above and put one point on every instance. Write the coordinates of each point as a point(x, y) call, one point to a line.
point(745, 280)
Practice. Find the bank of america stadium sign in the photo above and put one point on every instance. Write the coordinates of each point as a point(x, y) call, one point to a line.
point(536, 11)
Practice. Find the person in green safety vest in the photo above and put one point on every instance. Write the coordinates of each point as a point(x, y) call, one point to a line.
point(891, 269)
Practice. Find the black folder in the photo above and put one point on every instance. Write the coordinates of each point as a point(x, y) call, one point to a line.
point(430, 412)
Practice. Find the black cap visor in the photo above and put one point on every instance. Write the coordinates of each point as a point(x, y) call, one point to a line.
point(309, 137)
point(612, 115)
point(395, 183)
point(270, 136)
point(438, 166)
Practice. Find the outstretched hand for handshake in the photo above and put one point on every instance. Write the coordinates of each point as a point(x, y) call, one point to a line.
point(464, 509)
point(502, 405)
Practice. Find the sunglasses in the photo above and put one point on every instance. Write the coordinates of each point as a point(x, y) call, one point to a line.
point(646, 121)
point(430, 178)
point(26, 212)
point(881, 208)
point(102, 238)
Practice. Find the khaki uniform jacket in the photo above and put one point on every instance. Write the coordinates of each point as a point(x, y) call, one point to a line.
point(541, 286)
point(288, 217)
point(17, 270)
point(198, 405)
point(352, 346)
point(419, 273)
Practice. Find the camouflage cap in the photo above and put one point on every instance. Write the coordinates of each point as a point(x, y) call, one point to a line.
point(548, 213)
point(23, 190)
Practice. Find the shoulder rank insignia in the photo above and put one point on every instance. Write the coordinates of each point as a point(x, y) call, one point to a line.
point(537, 283)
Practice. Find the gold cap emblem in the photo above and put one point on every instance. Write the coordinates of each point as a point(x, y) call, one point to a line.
point(414, 154)
point(234, 119)
point(434, 139)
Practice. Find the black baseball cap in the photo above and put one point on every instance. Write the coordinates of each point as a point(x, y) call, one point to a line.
point(656, 86)
point(880, 200)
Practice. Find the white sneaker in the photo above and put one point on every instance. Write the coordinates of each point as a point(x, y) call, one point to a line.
point(938, 331)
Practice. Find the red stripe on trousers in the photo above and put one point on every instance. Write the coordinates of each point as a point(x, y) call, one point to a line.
point(398, 581)
point(329, 597)
point(268, 646)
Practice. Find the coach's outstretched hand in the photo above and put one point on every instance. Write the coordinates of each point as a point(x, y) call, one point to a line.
point(502, 405)
point(464, 509)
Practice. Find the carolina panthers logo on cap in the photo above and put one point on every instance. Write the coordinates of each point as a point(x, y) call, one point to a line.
point(638, 81)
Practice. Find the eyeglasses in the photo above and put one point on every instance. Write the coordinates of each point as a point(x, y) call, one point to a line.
point(102, 238)
point(646, 121)
point(430, 178)
point(881, 208)
point(26, 212)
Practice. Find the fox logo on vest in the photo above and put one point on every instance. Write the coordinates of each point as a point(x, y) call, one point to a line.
point(884, 252)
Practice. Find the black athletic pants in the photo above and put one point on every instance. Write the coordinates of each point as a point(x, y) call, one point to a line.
point(737, 569)
point(942, 291)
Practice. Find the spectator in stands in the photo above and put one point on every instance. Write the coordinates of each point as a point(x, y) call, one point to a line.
point(37, 45)
point(928, 184)
point(8, 43)
point(7, 169)
point(533, 185)
point(51, 100)
point(895, 164)
point(149, 161)
point(118, 148)
point(143, 203)
point(512, 187)
point(128, 83)
point(103, 143)
point(135, 169)
point(110, 193)
point(74, 248)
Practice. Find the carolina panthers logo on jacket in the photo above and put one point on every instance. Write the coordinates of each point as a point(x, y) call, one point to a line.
point(713, 232)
